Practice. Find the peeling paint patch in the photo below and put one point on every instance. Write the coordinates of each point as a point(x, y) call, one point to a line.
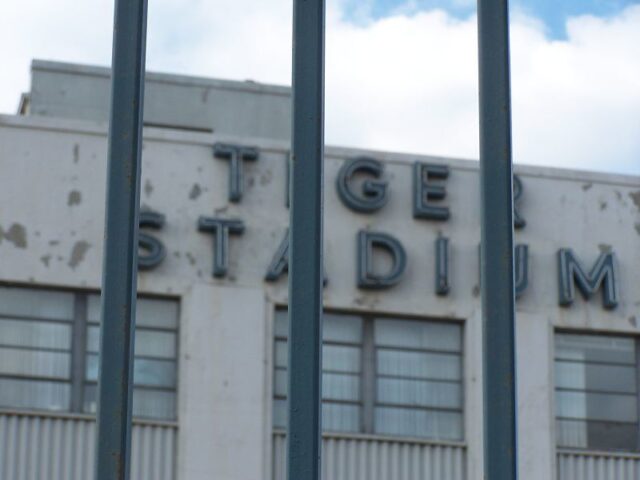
point(265, 178)
point(476, 291)
point(45, 259)
point(78, 253)
point(195, 192)
point(191, 258)
point(637, 225)
point(587, 186)
point(53, 243)
point(148, 188)
point(76, 153)
point(604, 247)
point(633, 321)
point(16, 234)
point(635, 196)
point(75, 198)
point(603, 205)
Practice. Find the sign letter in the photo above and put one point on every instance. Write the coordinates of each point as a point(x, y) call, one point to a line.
point(236, 154)
point(424, 191)
point(151, 244)
point(367, 278)
point(442, 266)
point(374, 191)
point(221, 228)
point(603, 274)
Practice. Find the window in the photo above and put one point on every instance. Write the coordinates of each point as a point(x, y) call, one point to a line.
point(382, 375)
point(596, 392)
point(49, 342)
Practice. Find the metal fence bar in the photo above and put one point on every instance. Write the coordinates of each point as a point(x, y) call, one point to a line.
point(121, 242)
point(305, 266)
point(497, 277)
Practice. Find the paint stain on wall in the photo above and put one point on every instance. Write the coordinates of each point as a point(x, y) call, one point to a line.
point(148, 188)
point(195, 192)
point(16, 234)
point(75, 198)
point(78, 253)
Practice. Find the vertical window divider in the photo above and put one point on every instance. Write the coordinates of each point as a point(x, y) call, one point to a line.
point(637, 342)
point(368, 374)
point(78, 351)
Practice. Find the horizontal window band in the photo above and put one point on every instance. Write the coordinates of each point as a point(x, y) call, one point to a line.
point(142, 328)
point(24, 318)
point(419, 379)
point(588, 420)
point(448, 353)
point(35, 378)
point(402, 406)
point(595, 362)
point(616, 393)
point(33, 349)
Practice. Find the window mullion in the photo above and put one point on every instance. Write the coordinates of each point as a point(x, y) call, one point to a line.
point(78, 352)
point(637, 342)
point(368, 375)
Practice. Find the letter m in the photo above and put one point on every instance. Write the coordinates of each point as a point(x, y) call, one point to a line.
point(603, 274)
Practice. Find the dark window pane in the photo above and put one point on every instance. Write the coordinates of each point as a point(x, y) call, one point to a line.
point(147, 403)
point(45, 304)
point(593, 376)
point(150, 312)
point(34, 363)
point(418, 334)
point(419, 393)
point(340, 417)
point(341, 358)
point(594, 348)
point(337, 386)
point(34, 394)
point(34, 334)
point(432, 366)
point(412, 422)
point(597, 435)
point(155, 373)
point(596, 406)
point(341, 328)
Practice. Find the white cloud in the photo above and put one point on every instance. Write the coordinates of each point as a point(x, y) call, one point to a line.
point(405, 82)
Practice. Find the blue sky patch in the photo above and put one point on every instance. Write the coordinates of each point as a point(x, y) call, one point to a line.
point(553, 13)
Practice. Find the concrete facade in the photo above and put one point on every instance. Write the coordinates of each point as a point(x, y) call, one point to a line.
point(52, 216)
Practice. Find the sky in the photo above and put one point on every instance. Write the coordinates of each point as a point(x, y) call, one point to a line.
point(401, 75)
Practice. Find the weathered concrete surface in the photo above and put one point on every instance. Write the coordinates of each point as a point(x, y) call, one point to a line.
point(51, 237)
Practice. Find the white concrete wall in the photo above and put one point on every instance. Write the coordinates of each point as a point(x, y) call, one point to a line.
point(51, 216)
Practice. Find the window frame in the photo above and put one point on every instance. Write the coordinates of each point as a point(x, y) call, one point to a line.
point(598, 334)
point(78, 352)
point(369, 373)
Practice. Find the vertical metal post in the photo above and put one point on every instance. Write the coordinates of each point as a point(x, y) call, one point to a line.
point(115, 385)
point(305, 265)
point(497, 277)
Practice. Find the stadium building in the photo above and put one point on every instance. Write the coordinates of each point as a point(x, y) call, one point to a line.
point(402, 372)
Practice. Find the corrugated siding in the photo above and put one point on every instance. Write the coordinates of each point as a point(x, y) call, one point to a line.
point(36, 447)
point(373, 459)
point(580, 466)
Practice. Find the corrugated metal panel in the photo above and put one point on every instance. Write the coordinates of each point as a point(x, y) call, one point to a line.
point(34, 447)
point(373, 459)
point(581, 466)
